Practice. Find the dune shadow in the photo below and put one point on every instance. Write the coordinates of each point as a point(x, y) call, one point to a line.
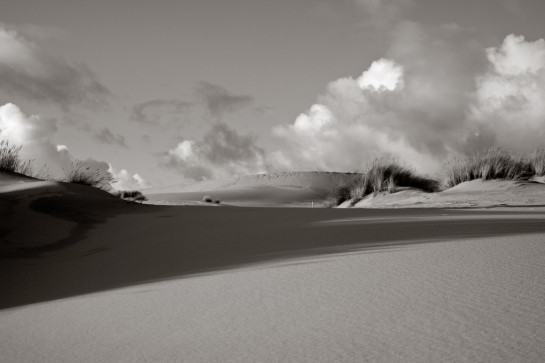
point(149, 243)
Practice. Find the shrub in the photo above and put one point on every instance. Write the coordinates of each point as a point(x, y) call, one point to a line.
point(207, 199)
point(490, 164)
point(81, 173)
point(133, 195)
point(10, 161)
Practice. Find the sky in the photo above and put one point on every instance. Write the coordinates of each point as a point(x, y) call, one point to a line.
point(176, 91)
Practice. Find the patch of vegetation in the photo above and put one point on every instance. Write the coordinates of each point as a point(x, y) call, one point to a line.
point(10, 160)
point(537, 162)
point(208, 199)
point(383, 175)
point(132, 195)
point(81, 173)
point(490, 164)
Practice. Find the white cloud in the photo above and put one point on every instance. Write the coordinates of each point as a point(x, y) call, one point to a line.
point(126, 180)
point(437, 93)
point(509, 103)
point(517, 56)
point(37, 137)
point(383, 74)
point(220, 153)
point(35, 134)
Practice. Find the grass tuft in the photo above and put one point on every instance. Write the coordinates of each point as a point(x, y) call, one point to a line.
point(10, 161)
point(490, 164)
point(537, 161)
point(384, 175)
point(81, 173)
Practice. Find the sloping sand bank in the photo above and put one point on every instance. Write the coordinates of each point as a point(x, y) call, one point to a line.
point(465, 300)
point(475, 193)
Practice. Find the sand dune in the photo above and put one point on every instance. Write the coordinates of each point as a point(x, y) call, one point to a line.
point(306, 189)
point(86, 276)
point(476, 193)
point(293, 189)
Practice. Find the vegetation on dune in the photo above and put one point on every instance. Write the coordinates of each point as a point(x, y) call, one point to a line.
point(208, 199)
point(383, 175)
point(494, 163)
point(81, 173)
point(537, 161)
point(132, 195)
point(10, 160)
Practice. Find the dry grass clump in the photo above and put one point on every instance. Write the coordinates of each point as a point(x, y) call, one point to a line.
point(537, 161)
point(10, 161)
point(81, 173)
point(384, 175)
point(494, 163)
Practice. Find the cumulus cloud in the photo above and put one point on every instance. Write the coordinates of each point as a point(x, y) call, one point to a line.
point(126, 180)
point(218, 100)
point(436, 93)
point(383, 74)
point(105, 136)
point(31, 72)
point(35, 134)
point(221, 152)
point(509, 106)
point(154, 111)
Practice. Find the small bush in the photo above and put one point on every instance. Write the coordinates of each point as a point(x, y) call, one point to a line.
point(494, 163)
point(133, 195)
point(207, 199)
point(10, 161)
point(81, 173)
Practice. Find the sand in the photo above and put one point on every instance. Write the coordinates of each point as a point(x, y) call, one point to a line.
point(86, 276)
point(473, 194)
point(468, 300)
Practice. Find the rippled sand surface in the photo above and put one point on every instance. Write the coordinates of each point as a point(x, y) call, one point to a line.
point(463, 300)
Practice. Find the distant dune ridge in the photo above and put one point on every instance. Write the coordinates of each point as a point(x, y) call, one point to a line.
point(304, 188)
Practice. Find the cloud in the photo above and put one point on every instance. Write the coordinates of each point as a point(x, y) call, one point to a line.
point(218, 100)
point(383, 74)
point(220, 153)
point(105, 136)
point(126, 181)
point(154, 111)
point(509, 105)
point(31, 72)
point(36, 135)
point(437, 92)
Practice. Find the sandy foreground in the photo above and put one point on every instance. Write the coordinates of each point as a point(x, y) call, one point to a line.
point(86, 277)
